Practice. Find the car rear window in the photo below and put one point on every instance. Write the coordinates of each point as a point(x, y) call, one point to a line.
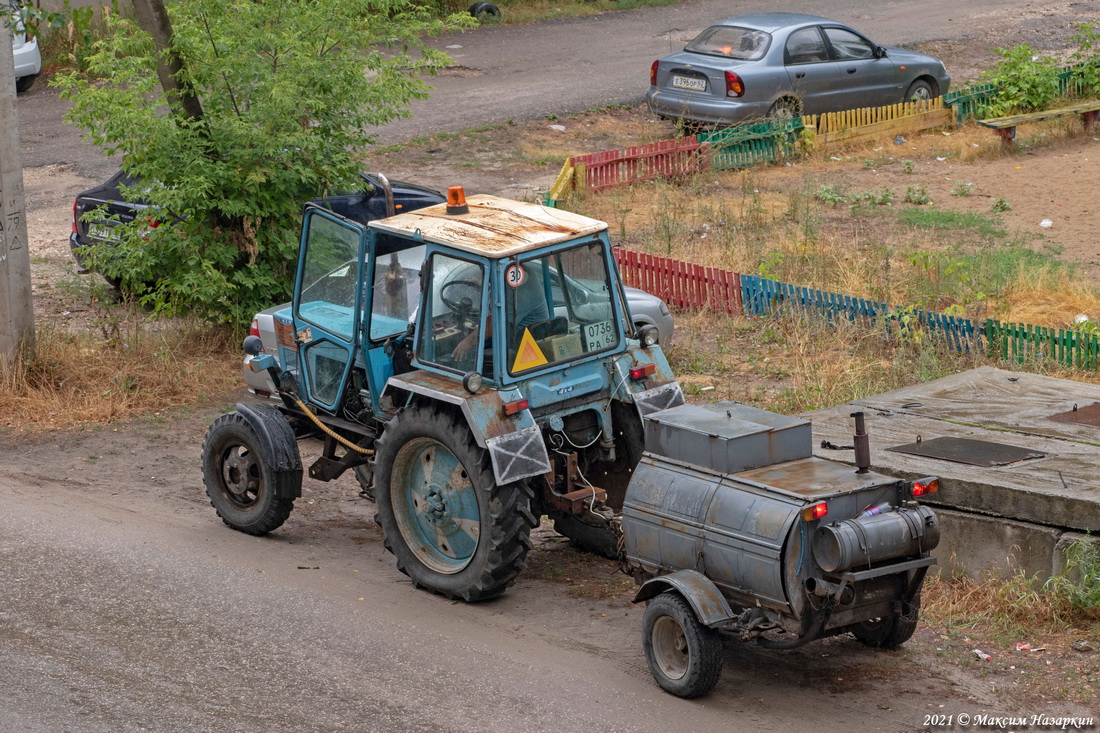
point(744, 44)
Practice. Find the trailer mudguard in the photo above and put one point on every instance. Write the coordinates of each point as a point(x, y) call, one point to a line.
point(710, 606)
point(278, 441)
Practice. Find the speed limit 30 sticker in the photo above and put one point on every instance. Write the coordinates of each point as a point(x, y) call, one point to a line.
point(515, 276)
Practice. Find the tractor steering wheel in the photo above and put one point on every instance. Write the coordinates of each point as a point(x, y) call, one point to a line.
point(462, 304)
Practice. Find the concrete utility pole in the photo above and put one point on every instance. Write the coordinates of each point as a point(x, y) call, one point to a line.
point(16, 307)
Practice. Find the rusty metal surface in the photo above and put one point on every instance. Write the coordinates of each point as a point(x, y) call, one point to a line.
point(494, 227)
point(727, 437)
point(969, 451)
point(814, 478)
point(1088, 415)
point(710, 606)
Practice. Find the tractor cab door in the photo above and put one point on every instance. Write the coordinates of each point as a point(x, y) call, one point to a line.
point(327, 300)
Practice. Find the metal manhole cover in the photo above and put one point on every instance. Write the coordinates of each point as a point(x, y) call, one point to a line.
point(1088, 415)
point(969, 451)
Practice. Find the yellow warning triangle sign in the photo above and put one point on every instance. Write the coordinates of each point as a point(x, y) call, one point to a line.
point(529, 355)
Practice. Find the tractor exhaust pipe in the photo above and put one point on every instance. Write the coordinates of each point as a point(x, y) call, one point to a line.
point(862, 444)
point(387, 191)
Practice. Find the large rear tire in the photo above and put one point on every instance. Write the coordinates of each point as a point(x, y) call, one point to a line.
point(684, 656)
point(244, 487)
point(891, 631)
point(451, 528)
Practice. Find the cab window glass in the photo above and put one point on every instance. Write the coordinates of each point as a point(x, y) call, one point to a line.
point(330, 274)
point(395, 291)
point(451, 335)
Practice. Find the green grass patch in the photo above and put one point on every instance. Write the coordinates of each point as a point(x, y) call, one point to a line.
point(986, 226)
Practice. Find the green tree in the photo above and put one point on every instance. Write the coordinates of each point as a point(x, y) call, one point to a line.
point(289, 94)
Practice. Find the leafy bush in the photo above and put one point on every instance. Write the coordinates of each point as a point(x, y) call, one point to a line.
point(1026, 81)
point(1086, 73)
point(289, 93)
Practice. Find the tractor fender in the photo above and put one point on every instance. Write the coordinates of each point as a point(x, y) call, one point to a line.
point(515, 443)
point(710, 606)
point(658, 391)
point(276, 438)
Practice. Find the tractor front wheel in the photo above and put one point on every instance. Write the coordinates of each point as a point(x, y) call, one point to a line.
point(451, 528)
point(244, 487)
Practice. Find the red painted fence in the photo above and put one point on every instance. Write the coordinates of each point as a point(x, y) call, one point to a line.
point(662, 159)
point(682, 284)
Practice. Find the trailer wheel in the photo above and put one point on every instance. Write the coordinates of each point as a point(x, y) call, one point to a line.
point(889, 632)
point(248, 493)
point(684, 656)
point(451, 528)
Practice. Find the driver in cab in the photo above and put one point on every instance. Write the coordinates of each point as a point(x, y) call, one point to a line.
point(527, 301)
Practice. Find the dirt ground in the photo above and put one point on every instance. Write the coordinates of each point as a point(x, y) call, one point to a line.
point(1055, 182)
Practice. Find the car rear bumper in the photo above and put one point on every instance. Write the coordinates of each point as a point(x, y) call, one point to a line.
point(703, 109)
point(28, 61)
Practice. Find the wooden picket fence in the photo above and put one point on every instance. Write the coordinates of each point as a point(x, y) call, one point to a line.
point(682, 284)
point(854, 125)
point(1020, 342)
point(745, 145)
point(663, 159)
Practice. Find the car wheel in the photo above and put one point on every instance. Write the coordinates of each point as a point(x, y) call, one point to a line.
point(481, 10)
point(919, 91)
point(785, 109)
point(24, 83)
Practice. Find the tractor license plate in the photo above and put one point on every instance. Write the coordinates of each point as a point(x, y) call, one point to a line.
point(689, 82)
point(599, 335)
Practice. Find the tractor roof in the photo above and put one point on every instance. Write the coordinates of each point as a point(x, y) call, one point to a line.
point(494, 227)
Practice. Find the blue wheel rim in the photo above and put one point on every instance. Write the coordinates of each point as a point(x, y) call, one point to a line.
point(435, 506)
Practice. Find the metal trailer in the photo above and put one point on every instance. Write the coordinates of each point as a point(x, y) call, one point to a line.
point(731, 525)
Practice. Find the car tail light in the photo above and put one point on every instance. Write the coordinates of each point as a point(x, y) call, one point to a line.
point(926, 486)
point(643, 371)
point(255, 330)
point(74, 216)
point(815, 511)
point(653, 74)
point(735, 87)
point(153, 223)
point(512, 408)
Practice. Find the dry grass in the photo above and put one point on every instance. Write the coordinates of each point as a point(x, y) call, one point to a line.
point(77, 378)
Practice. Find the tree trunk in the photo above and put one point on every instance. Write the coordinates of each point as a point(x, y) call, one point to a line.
point(153, 18)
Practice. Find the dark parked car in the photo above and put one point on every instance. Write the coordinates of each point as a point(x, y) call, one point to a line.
point(363, 205)
point(784, 65)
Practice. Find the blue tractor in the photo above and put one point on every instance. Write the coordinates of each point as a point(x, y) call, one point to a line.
point(474, 363)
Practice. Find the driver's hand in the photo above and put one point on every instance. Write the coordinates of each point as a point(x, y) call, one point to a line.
point(465, 346)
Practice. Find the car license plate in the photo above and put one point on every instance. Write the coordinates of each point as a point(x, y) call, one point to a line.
point(103, 232)
point(689, 82)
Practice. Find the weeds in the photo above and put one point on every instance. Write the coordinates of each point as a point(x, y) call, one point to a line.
point(1000, 205)
point(962, 189)
point(917, 195)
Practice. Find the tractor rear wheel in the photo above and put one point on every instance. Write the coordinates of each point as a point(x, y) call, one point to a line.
point(451, 528)
point(245, 489)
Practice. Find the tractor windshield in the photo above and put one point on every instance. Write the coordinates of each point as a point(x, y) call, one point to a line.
point(558, 307)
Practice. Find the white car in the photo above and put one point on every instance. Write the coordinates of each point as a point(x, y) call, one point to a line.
point(28, 59)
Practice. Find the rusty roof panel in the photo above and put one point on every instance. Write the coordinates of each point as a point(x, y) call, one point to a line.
point(494, 227)
point(812, 477)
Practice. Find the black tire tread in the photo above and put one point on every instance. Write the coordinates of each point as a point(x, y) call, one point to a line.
point(705, 667)
point(511, 519)
point(891, 631)
point(277, 508)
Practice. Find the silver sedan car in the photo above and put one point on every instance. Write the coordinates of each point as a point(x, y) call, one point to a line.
point(783, 65)
point(646, 310)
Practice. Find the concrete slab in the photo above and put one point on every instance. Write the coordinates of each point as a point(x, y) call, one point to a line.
point(976, 545)
point(1061, 490)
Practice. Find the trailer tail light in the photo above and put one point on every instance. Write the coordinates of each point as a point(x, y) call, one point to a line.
point(735, 86)
point(816, 511)
point(639, 373)
point(511, 408)
point(926, 486)
point(653, 74)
